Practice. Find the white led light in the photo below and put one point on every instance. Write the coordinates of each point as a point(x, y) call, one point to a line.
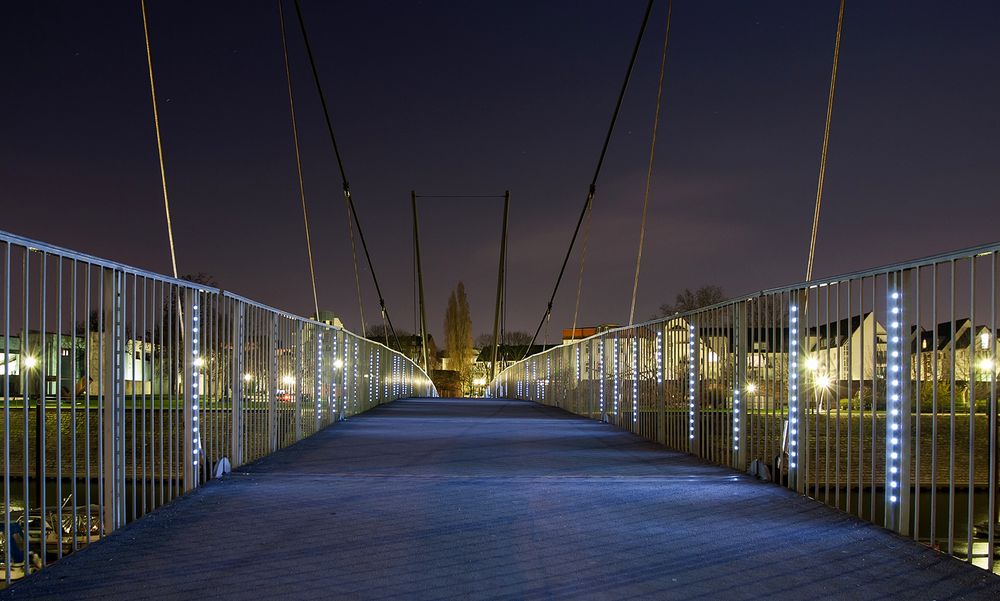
point(895, 367)
point(659, 358)
point(691, 380)
point(196, 362)
point(601, 370)
point(793, 376)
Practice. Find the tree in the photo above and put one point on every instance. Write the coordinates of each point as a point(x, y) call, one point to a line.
point(381, 333)
point(485, 340)
point(689, 301)
point(458, 332)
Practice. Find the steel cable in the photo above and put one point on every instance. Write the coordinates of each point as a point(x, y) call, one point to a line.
point(826, 143)
point(159, 144)
point(649, 167)
point(343, 174)
point(597, 172)
point(298, 158)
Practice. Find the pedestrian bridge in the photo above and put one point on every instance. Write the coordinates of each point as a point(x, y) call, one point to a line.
point(165, 439)
point(497, 499)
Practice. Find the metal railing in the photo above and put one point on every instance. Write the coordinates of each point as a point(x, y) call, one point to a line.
point(873, 392)
point(123, 389)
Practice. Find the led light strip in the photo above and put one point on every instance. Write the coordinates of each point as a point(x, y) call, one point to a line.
point(895, 373)
point(793, 385)
point(601, 368)
point(345, 391)
point(319, 374)
point(736, 418)
point(371, 379)
point(635, 379)
point(659, 357)
point(577, 363)
point(548, 375)
point(691, 367)
point(333, 377)
point(356, 387)
point(615, 370)
point(196, 363)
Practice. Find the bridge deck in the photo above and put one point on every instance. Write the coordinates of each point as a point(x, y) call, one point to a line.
point(460, 499)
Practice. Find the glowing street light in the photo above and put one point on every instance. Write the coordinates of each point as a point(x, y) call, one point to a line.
point(812, 363)
point(199, 362)
point(751, 388)
point(338, 363)
point(823, 382)
point(986, 364)
point(247, 377)
point(288, 380)
point(30, 362)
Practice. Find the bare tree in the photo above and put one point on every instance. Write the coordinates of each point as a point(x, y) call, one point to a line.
point(689, 301)
point(485, 340)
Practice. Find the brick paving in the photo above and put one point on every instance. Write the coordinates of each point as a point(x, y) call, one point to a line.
point(494, 499)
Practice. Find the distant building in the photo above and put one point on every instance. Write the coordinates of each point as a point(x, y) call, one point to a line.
point(570, 335)
point(330, 319)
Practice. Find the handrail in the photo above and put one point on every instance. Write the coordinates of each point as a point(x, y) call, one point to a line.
point(130, 388)
point(839, 388)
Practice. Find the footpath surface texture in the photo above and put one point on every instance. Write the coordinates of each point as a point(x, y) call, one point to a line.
point(495, 499)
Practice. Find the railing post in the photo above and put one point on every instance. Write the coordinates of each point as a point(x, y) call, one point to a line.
point(900, 315)
point(188, 457)
point(740, 425)
point(661, 389)
point(591, 389)
point(694, 389)
point(299, 381)
point(272, 391)
point(111, 389)
point(796, 368)
point(318, 380)
point(237, 313)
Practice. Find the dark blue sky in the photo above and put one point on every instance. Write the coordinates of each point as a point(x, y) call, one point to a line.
point(475, 97)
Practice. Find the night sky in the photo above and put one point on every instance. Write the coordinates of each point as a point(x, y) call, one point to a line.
point(477, 97)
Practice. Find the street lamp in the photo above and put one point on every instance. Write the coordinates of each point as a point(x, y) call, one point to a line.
point(30, 362)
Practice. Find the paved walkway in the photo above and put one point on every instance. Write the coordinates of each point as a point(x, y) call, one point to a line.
point(490, 499)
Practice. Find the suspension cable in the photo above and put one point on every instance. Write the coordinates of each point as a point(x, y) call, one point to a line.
point(583, 258)
point(357, 278)
point(343, 173)
point(826, 143)
point(159, 144)
point(298, 158)
point(597, 172)
point(649, 167)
